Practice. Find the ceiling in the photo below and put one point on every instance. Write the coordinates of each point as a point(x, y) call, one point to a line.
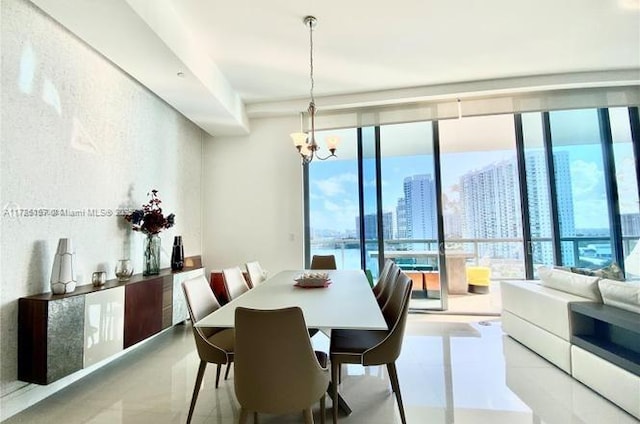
point(249, 58)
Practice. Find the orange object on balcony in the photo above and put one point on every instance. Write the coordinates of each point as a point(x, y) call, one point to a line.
point(416, 279)
point(432, 283)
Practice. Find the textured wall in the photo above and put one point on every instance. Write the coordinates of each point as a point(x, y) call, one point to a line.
point(78, 133)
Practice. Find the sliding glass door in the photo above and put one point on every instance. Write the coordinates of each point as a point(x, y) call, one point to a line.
point(482, 210)
point(410, 209)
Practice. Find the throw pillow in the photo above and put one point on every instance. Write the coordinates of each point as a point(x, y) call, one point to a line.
point(611, 272)
point(583, 271)
point(621, 294)
point(569, 282)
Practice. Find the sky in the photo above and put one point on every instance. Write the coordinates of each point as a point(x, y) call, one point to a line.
point(334, 183)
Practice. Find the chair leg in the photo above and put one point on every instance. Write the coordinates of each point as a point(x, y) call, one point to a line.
point(218, 375)
point(323, 409)
point(255, 418)
point(244, 414)
point(395, 384)
point(335, 366)
point(196, 389)
point(340, 375)
point(308, 416)
point(226, 373)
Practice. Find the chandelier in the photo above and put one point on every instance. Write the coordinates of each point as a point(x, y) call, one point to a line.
point(306, 142)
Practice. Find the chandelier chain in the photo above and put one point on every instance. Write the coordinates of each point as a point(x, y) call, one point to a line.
point(311, 60)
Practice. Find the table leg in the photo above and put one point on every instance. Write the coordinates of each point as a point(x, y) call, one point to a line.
point(342, 404)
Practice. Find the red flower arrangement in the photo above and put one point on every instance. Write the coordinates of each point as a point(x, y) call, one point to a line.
point(149, 219)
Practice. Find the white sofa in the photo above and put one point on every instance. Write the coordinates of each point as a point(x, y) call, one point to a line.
point(538, 316)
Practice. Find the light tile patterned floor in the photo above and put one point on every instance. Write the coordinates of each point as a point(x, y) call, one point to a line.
point(450, 372)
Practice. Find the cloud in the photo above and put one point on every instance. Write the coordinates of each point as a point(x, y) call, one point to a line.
point(336, 185)
point(586, 180)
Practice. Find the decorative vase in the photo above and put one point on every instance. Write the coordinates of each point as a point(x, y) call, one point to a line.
point(124, 270)
point(63, 275)
point(151, 260)
point(177, 254)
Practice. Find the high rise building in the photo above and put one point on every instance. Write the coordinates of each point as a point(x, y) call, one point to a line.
point(401, 219)
point(539, 204)
point(371, 226)
point(418, 208)
point(630, 223)
point(491, 207)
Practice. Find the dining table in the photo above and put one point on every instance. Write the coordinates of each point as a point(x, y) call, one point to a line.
point(346, 303)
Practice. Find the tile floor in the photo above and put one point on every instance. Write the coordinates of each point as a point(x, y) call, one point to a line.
point(450, 372)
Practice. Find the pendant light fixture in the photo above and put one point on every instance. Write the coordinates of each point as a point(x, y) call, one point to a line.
point(305, 143)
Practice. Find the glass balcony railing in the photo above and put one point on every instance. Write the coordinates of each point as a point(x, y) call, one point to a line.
point(504, 256)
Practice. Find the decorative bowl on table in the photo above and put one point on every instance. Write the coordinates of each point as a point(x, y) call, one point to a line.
point(313, 279)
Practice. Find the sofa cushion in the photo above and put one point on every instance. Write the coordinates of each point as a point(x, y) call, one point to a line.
point(569, 282)
point(621, 294)
point(542, 306)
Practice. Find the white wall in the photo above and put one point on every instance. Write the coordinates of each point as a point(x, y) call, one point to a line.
point(253, 200)
point(79, 133)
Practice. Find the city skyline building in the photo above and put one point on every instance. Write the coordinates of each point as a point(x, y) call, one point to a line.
point(371, 226)
point(418, 208)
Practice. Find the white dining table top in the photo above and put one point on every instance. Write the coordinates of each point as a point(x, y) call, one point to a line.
point(348, 302)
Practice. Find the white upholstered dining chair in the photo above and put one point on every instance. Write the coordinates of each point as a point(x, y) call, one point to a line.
point(234, 282)
point(256, 274)
point(214, 345)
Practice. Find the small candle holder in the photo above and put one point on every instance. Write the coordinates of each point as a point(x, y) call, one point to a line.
point(98, 278)
point(124, 270)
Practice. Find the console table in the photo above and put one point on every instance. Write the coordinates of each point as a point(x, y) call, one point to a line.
point(61, 334)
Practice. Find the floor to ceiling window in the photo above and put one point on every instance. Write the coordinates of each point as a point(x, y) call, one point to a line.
point(627, 187)
point(537, 184)
point(582, 209)
point(333, 203)
point(575, 172)
point(370, 200)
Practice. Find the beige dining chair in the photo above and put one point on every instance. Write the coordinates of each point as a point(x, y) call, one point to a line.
point(323, 262)
point(256, 274)
point(276, 368)
point(234, 282)
point(374, 347)
point(214, 345)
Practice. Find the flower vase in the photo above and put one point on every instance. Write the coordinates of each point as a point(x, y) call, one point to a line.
point(177, 254)
point(151, 260)
point(63, 275)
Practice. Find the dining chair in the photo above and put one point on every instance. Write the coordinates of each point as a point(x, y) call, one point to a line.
point(374, 347)
point(323, 262)
point(256, 274)
point(388, 264)
point(276, 368)
point(214, 345)
point(234, 282)
point(387, 285)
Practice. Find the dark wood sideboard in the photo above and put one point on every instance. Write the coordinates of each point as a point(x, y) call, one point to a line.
point(55, 338)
